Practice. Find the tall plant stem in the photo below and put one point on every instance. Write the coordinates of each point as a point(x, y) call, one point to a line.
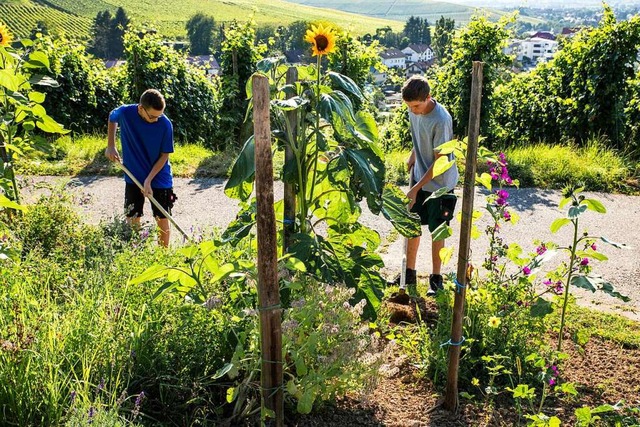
point(317, 131)
point(569, 277)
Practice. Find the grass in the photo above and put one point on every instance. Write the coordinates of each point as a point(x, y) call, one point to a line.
point(84, 155)
point(401, 10)
point(170, 16)
point(586, 322)
point(595, 167)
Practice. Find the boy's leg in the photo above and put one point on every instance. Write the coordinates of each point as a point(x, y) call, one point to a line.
point(165, 231)
point(435, 255)
point(412, 252)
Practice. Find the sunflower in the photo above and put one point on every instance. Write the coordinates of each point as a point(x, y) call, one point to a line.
point(322, 38)
point(5, 35)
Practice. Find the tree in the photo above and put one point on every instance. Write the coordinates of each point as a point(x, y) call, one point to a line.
point(481, 40)
point(119, 25)
point(200, 31)
point(417, 30)
point(354, 59)
point(442, 38)
point(101, 31)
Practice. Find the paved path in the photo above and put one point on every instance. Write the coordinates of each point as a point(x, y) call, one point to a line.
point(202, 204)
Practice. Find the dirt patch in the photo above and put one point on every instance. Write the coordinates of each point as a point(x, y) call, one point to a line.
point(603, 372)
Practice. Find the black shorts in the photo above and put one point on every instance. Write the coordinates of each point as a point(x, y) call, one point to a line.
point(134, 201)
point(434, 212)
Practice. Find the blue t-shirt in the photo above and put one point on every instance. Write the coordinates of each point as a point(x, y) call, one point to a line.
point(142, 144)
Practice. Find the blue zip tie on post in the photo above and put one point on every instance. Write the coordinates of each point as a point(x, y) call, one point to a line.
point(287, 221)
point(453, 343)
point(459, 287)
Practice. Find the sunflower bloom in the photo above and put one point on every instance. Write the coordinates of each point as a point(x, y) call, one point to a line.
point(322, 39)
point(5, 35)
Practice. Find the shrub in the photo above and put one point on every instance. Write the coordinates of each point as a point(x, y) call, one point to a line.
point(193, 102)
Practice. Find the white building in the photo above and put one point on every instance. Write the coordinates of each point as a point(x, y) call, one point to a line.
point(537, 49)
point(393, 58)
point(418, 53)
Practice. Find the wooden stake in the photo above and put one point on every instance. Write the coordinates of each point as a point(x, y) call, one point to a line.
point(289, 193)
point(268, 290)
point(451, 395)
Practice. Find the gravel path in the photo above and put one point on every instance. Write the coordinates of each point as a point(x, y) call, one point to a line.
point(202, 204)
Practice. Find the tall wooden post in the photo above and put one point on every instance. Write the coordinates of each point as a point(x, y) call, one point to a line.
point(451, 394)
point(268, 290)
point(289, 193)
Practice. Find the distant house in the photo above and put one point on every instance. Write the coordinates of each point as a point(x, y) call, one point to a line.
point(206, 62)
point(110, 63)
point(537, 48)
point(393, 58)
point(544, 35)
point(418, 68)
point(418, 53)
point(569, 32)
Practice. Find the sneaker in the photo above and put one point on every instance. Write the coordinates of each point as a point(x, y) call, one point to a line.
point(435, 284)
point(410, 278)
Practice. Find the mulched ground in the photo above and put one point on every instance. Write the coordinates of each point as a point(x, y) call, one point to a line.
point(603, 372)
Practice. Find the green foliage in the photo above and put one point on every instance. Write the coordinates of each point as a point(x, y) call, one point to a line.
point(577, 94)
point(192, 99)
point(108, 34)
point(21, 72)
point(86, 90)
point(238, 58)
point(417, 30)
point(200, 32)
point(442, 39)
point(354, 59)
point(396, 135)
point(50, 229)
point(594, 166)
point(331, 172)
point(482, 40)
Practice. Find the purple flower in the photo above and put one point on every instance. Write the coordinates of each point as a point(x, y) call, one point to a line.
point(594, 247)
point(559, 288)
point(554, 368)
point(585, 261)
point(506, 215)
point(541, 249)
point(73, 396)
point(552, 382)
point(503, 195)
point(91, 414)
point(526, 270)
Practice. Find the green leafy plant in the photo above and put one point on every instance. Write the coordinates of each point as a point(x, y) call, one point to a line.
point(21, 110)
point(336, 163)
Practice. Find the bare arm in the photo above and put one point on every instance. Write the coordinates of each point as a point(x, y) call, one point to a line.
point(157, 167)
point(112, 152)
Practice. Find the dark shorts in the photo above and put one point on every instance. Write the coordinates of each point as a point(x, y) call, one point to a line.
point(436, 211)
point(134, 201)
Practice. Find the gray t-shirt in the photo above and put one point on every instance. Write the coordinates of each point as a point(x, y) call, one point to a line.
point(427, 132)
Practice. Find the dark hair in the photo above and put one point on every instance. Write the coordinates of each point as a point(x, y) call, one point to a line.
point(152, 98)
point(416, 88)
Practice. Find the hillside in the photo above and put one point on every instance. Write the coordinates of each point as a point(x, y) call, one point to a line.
point(23, 16)
point(170, 16)
point(401, 10)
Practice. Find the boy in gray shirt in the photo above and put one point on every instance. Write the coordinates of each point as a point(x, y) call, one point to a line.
point(431, 126)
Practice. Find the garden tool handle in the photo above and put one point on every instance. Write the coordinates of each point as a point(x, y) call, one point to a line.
point(153, 200)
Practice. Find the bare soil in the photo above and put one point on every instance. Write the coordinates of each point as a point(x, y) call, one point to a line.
point(603, 372)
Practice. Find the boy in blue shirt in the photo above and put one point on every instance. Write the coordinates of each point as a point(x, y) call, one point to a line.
point(146, 135)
